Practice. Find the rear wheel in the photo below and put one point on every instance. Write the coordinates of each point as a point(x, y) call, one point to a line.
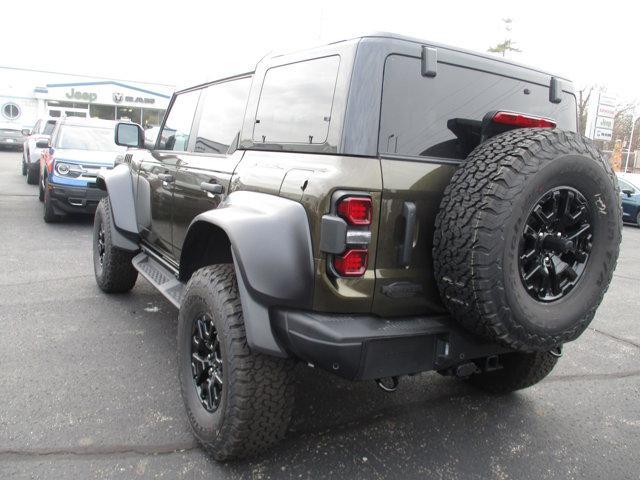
point(519, 370)
point(112, 266)
point(238, 402)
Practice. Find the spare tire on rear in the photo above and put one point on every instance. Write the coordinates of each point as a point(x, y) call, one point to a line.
point(527, 238)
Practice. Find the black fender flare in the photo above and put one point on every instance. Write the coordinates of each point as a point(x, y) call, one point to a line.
point(119, 186)
point(273, 257)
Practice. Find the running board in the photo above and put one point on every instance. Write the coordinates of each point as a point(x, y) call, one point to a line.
point(163, 279)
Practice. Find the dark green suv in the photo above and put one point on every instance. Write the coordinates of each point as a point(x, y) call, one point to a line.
point(375, 207)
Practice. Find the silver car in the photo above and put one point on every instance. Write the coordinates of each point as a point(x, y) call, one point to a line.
point(30, 152)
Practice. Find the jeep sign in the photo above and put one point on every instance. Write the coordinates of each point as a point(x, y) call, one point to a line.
point(84, 96)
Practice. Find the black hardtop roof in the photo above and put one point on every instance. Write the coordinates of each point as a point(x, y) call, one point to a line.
point(382, 36)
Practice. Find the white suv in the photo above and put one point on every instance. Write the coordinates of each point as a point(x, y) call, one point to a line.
point(31, 153)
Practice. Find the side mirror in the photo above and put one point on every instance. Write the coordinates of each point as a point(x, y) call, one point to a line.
point(43, 143)
point(26, 132)
point(129, 135)
point(628, 192)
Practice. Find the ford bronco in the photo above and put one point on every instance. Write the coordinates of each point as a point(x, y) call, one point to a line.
point(375, 207)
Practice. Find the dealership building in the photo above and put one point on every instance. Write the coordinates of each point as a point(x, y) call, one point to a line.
point(26, 95)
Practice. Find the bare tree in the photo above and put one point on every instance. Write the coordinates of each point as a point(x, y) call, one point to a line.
point(584, 95)
point(508, 45)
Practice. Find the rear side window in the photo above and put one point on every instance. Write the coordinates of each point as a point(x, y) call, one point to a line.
point(48, 128)
point(222, 113)
point(441, 116)
point(296, 101)
point(177, 128)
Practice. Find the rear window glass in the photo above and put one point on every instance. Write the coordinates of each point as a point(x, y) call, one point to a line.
point(441, 116)
point(296, 101)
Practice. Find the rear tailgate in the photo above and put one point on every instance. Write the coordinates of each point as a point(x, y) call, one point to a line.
point(428, 126)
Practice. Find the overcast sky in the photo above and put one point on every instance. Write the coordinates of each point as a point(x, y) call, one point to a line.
point(185, 42)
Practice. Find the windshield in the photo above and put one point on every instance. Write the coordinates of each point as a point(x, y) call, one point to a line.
point(86, 138)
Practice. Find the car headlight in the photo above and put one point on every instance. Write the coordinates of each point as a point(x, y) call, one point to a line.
point(68, 169)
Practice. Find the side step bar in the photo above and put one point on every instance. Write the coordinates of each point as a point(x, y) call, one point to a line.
point(161, 277)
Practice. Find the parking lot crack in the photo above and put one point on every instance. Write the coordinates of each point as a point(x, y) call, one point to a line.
point(100, 450)
point(615, 337)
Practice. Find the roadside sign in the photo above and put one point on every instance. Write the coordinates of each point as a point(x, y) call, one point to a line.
point(603, 134)
point(604, 122)
point(606, 111)
point(607, 100)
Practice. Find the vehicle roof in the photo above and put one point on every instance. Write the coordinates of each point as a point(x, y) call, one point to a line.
point(395, 36)
point(383, 36)
point(88, 122)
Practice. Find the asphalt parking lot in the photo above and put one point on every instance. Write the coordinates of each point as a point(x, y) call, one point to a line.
point(88, 386)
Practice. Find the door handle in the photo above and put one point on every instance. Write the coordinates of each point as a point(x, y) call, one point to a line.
point(214, 188)
point(166, 177)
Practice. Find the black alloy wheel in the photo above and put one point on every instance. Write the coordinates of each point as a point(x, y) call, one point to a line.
point(206, 362)
point(555, 244)
point(101, 245)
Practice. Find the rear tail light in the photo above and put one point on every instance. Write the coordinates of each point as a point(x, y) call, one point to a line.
point(355, 210)
point(352, 263)
point(523, 121)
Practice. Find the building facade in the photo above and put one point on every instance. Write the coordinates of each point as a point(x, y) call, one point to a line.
point(26, 95)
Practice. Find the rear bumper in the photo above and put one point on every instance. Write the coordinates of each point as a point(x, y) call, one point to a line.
point(366, 347)
point(66, 199)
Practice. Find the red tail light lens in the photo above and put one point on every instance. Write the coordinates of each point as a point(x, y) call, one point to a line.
point(524, 121)
point(352, 263)
point(355, 210)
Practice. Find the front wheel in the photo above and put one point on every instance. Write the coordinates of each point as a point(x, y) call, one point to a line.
point(112, 266)
point(32, 175)
point(49, 214)
point(238, 402)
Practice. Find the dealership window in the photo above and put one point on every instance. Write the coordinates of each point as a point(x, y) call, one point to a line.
point(128, 113)
point(177, 128)
point(106, 112)
point(11, 110)
point(222, 113)
point(296, 101)
point(151, 117)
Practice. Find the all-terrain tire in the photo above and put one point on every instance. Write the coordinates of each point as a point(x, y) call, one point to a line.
point(482, 219)
point(257, 394)
point(519, 370)
point(32, 176)
point(112, 266)
point(40, 187)
point(49, 215)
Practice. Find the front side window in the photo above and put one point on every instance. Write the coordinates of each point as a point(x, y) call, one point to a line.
point(296, 102)
point(79, 137)
point(442, 116)
point(177, 128)
point(222, 113)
